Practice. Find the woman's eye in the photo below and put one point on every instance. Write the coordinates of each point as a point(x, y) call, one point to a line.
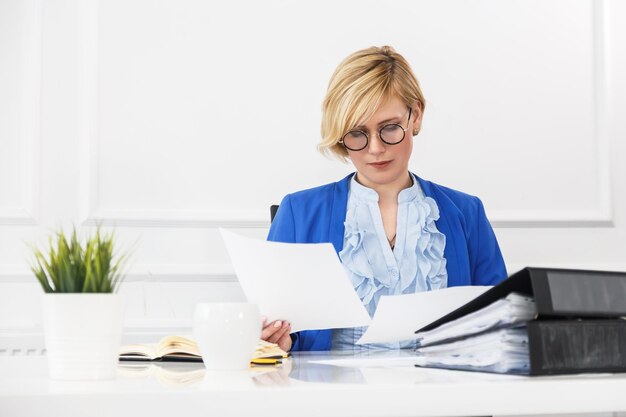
point(390, 128)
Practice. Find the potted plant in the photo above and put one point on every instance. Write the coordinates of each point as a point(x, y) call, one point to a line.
point(82, 314)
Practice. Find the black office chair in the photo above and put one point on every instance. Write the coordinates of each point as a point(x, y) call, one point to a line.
point(273, 210)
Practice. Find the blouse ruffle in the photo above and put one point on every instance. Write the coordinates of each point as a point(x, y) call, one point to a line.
point(421, 266)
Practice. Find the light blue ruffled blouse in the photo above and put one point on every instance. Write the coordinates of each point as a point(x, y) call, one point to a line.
point(416, 263)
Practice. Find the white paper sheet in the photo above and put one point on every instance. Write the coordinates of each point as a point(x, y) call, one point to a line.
point(302, 283)
point(397, 317)
point(514, 308)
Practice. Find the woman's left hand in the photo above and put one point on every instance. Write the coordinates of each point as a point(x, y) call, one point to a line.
point(277, 332)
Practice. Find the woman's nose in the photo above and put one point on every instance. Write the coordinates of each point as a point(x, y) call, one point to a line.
point(375, 146)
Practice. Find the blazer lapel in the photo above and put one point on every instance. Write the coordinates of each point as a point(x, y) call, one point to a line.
point(445, 226)
point(336, 227)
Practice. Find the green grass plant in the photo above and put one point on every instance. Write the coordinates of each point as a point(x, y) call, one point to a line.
point(72, 267)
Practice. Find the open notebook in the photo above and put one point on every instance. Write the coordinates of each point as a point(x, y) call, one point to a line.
point(185, 349)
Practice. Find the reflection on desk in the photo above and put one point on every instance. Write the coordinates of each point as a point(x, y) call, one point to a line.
point(171, 374)
point(311, 383)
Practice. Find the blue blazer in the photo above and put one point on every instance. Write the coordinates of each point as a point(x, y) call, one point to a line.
point(317, 215)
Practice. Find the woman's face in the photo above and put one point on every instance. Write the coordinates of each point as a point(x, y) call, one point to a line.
point(381, 164)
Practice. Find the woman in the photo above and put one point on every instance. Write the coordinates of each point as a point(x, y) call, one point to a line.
point(394, 232)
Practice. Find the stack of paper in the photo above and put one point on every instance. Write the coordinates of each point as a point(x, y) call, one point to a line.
point(502, 351)
point(492, 339)
point(515, 308)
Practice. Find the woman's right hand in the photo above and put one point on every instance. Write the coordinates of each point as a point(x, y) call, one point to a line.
point(277, 332)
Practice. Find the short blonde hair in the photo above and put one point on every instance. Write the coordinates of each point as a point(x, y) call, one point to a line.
point(359, 85)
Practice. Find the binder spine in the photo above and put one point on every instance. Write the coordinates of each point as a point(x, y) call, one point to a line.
point(577, 346)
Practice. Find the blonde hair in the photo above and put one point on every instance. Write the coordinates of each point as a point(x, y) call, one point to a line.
point(359, 85)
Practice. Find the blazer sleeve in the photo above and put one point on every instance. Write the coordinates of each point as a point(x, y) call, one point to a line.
point(487, 263)
point(283, 228)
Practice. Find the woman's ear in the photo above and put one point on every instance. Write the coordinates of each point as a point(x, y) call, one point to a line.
point(416, 120)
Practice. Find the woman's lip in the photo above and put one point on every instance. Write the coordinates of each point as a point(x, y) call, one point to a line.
point(381, 164)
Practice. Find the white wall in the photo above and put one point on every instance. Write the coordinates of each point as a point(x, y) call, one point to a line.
point(170, 119)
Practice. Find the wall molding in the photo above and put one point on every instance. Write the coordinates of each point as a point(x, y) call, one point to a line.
point(28, 338)
point(160, 273)
point(513, 267)
point(240, 219)
point(88, 51)
point(17, 216)
point(224, 273)
point(601, 217)
point(602, 83)
point(29, 137)
point(92, 213)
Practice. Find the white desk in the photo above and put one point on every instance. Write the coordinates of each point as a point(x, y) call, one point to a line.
point(301, 388)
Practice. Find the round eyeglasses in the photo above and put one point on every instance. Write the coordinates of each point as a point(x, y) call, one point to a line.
point(391, 134)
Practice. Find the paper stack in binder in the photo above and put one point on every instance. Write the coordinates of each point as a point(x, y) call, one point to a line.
point(539, 321)
point(492, 338)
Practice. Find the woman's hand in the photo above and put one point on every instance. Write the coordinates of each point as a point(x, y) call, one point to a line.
point(277, 332)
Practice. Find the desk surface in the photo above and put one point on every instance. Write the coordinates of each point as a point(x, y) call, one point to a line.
point(386, 385)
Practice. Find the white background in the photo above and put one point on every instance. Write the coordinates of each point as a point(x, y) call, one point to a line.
point(170, 119)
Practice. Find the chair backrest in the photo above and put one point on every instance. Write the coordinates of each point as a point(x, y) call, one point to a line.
point(273, 210)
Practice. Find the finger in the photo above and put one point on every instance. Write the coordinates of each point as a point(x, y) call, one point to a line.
point(275, 337)
point(270, 330)
point(267, 332)
point(280, 333)
point(285, 342)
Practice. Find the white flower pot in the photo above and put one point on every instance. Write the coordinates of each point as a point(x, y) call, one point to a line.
point(83, 334)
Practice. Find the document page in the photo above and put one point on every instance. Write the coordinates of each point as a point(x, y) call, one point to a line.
point(513, 309)
point(397, 317)
point(303, 283)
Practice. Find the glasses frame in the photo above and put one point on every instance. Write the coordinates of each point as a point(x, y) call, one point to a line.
point(380, 136)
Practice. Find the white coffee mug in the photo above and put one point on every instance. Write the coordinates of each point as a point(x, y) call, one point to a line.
point(227, 334)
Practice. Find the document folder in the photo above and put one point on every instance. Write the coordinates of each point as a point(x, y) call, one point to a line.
point(579, 326)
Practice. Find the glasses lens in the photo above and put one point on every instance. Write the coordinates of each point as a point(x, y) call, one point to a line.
point(392, 133)
point(355, 140)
